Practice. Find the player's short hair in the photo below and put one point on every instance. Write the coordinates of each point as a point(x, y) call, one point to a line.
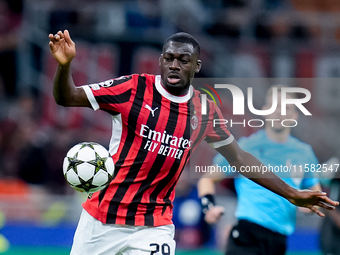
point(184, 38)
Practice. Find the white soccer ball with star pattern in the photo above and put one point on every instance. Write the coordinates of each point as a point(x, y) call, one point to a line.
point(88, 167)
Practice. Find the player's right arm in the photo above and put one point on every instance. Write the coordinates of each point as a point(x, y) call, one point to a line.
point(65, 92)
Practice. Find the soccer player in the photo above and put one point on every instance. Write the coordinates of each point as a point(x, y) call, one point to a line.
point(264, 218)
point(157, 123)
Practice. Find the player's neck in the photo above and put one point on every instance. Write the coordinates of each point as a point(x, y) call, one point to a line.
point(277, 136)
point(179, 92)
point(176, 92)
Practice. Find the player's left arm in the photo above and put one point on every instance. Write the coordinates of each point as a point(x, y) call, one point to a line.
point(303, 198)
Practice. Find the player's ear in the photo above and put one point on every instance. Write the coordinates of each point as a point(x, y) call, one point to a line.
point(198, 66)
point(160, 60)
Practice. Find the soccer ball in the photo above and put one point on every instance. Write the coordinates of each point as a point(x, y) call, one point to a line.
point(88, 167)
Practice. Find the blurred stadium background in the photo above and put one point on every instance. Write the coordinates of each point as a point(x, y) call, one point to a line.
point(239, 38)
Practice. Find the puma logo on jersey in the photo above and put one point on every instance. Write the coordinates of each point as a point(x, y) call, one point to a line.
point(151, 110)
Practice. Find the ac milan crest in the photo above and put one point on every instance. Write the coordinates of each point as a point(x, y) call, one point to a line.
point(194, 122)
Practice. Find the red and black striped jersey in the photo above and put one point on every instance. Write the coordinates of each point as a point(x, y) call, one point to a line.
point(154, 133)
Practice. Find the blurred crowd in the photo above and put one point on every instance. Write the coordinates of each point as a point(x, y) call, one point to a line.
point(121, 37)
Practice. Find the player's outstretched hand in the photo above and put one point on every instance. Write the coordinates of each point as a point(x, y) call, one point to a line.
point(313, 200)
point(214, 214)
point(62, 47)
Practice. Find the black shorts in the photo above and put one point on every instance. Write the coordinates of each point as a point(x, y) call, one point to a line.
point(247, 238)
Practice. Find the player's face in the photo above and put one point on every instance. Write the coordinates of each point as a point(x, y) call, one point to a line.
point(179, 63)
point(291, 114)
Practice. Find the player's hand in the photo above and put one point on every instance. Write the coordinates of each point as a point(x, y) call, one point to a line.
point(305, 210)
point(214, 214)
point(313, 200)
point(62, 47)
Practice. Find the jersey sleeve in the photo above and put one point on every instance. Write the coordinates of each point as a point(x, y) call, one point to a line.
point(217, 134)
point(110, 95)
point(310, 179)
